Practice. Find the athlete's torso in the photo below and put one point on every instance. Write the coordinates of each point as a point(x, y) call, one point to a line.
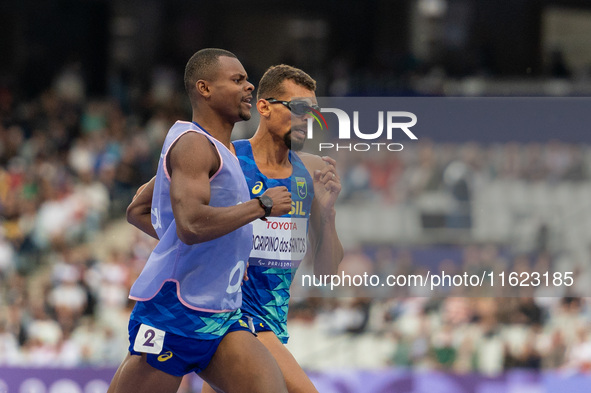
point(208, 275)
point(278, 244)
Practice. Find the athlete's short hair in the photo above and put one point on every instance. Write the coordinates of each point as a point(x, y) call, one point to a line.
point(202, 66)
point(271, 84)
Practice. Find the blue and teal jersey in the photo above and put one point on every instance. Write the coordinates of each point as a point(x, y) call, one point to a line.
point(278, 244)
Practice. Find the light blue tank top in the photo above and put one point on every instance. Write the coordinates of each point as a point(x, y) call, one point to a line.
point(208, 275)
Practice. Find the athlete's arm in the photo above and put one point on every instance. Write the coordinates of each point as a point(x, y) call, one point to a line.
point(326, 249)
point(193, 159)
point(139, 213)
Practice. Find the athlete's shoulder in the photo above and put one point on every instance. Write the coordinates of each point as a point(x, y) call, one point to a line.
point(193, 150)
point(242, 146)
point(191, 141)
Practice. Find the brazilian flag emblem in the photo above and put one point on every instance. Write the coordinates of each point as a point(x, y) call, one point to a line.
point(302, 187)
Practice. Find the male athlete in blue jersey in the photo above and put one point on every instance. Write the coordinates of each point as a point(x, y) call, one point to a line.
point(284, 98)
point(187, 316)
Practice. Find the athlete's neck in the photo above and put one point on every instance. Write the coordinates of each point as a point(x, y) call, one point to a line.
point(215, 125)
point(270, 154)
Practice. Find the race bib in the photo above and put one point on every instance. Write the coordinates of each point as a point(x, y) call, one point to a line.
point(278, 242)
point(149, 340)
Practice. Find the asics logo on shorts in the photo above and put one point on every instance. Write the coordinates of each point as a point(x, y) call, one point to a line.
point(165, 356)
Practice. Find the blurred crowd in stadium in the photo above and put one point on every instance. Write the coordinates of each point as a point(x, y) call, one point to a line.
point(70, 165)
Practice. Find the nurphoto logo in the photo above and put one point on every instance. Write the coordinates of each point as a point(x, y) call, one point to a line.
point(356, 135)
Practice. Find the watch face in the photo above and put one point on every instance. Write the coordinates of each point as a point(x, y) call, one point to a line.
point(267, 201)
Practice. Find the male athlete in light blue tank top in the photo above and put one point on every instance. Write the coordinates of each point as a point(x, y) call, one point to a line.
point(279, 243)
point(186, 317)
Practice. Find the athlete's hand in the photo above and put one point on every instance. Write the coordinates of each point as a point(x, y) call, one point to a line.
point(281, 200)
point(245, 278)
point(327, 184)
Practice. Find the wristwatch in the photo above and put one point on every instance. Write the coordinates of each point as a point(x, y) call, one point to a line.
point(267, 204)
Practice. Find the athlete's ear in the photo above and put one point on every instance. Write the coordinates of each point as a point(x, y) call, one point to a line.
point(203, 88)
point(264, 107)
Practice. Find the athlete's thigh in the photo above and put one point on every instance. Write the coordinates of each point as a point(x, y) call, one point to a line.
point(241, 364)
point(136, 375)
point(296, 379)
